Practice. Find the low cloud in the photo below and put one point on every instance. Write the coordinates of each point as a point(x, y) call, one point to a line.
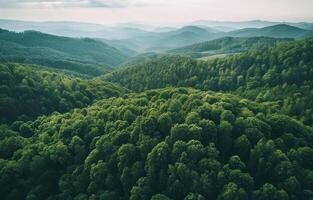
point(70, 3)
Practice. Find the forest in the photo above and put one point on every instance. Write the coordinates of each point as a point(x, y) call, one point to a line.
point(29, 91)
point(166, 127)
point(228, 45)
point(161, 144)
point(269, 75)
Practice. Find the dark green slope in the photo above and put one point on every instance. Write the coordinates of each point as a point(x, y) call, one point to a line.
point(287, 67)
point(285, 63)
point(168, 144)
point(227, 45)
point(156, 73)
point(85, 56)
point(27, 92)
point(276, 31)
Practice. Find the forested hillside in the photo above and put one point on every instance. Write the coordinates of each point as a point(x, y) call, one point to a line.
point(27, 92)
point(161, 144)
point(227, 45)
point(276, 31)
point(254, 74)
point(85, 56)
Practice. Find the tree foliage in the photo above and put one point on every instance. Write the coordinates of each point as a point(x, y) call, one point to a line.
point(27, 92)
point(281, 77)
point(160, 144)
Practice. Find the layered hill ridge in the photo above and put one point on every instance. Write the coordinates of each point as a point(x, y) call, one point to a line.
point(159, 41)
point(188, 35)
point(275, 31)
point(85, 56)
point(227, 45)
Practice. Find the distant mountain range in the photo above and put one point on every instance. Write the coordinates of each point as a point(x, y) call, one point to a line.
point(161, 41)
point(183, 36)
point(128, 30)
point(228, 25)
point(131, 39)
point(189, 35)
point(74, 29)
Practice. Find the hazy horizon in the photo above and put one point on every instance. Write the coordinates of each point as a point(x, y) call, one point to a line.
point(182, 23)
point(156, 11)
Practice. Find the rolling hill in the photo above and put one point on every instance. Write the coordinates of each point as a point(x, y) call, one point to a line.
point(28, 91)
point(161, 41)
point(85, 56)
point(178, 70)
point(227, 45)
point(284, 70)
point(276, 31)
point(184, 36)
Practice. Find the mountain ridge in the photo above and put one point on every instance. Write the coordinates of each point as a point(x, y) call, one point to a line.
point(276, 31)
point(228, 44)
point(34, 47)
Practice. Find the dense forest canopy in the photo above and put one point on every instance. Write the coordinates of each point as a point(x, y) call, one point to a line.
point(287, 63)
point(75, 125)
point(27, 92)
point(160, 144)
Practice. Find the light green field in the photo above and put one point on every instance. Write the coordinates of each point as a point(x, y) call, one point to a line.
point(210, 57)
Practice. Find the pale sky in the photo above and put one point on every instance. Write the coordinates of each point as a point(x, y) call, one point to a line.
point(156, 11)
